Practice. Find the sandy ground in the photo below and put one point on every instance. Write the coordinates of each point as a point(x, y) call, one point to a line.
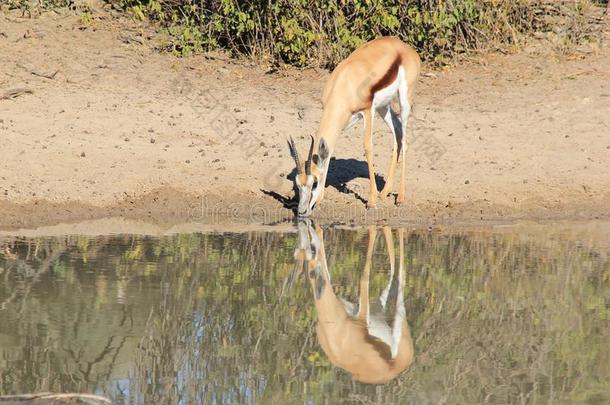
point(114, 128)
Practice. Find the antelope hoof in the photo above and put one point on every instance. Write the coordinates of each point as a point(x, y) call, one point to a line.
point(400, 201)
point(384, 193)
point(371, 205)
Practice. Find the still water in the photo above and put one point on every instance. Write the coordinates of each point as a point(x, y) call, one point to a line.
point(312, 315)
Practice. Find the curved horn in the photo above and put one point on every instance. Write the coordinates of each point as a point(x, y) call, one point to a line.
point(309, 157)
point(294, 154)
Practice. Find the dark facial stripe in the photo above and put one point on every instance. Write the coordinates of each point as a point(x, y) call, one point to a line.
point(320, 284)
point(310, 198)
point(311, 193)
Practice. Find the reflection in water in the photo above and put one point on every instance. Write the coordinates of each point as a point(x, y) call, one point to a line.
point(352, 337)
point(499, 316)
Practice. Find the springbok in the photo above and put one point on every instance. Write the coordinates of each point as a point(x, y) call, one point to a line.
point(353, 338)
point(367, 81)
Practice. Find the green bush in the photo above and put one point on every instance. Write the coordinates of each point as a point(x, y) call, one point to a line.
point(315, 32)
point(28, 6)
point(321, 33)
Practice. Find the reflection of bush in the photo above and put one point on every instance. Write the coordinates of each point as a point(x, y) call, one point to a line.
point(494, 317)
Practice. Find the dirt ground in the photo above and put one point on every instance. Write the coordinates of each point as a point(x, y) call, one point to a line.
point(111, 127)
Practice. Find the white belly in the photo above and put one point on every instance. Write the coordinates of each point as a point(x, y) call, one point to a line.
point(385, 96)
point(381, 98)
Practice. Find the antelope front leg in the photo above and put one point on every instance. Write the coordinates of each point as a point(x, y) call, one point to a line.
point(368, 151)
point(389, 242)
point(363, 301)
point(400, 317)
point(392, 121)
point(405, 110)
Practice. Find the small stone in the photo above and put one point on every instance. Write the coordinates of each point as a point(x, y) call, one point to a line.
point(153, 140)
point(82, 154)
point(467, 182)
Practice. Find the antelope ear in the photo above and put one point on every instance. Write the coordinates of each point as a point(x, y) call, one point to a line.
point(323, 153)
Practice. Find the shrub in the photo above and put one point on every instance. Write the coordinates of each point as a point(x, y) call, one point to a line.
point(306, 32)
point(316, 32)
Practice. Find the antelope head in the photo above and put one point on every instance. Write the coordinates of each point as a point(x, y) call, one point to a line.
point(309, 255)
point(310, 175)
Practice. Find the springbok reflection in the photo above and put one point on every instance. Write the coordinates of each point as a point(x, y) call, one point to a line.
point(353, 338)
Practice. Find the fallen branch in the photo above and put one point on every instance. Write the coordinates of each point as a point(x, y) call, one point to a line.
point(128, 39)
point(56, 397)
point(14, 93)
point(46, 75)
point(20, 21)
point(50, 75)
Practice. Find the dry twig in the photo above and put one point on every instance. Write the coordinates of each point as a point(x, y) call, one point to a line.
point(14, 93)
point(47, 75)
point(48, 396)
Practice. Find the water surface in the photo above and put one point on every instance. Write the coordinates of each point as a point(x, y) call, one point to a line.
point(513, 315)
